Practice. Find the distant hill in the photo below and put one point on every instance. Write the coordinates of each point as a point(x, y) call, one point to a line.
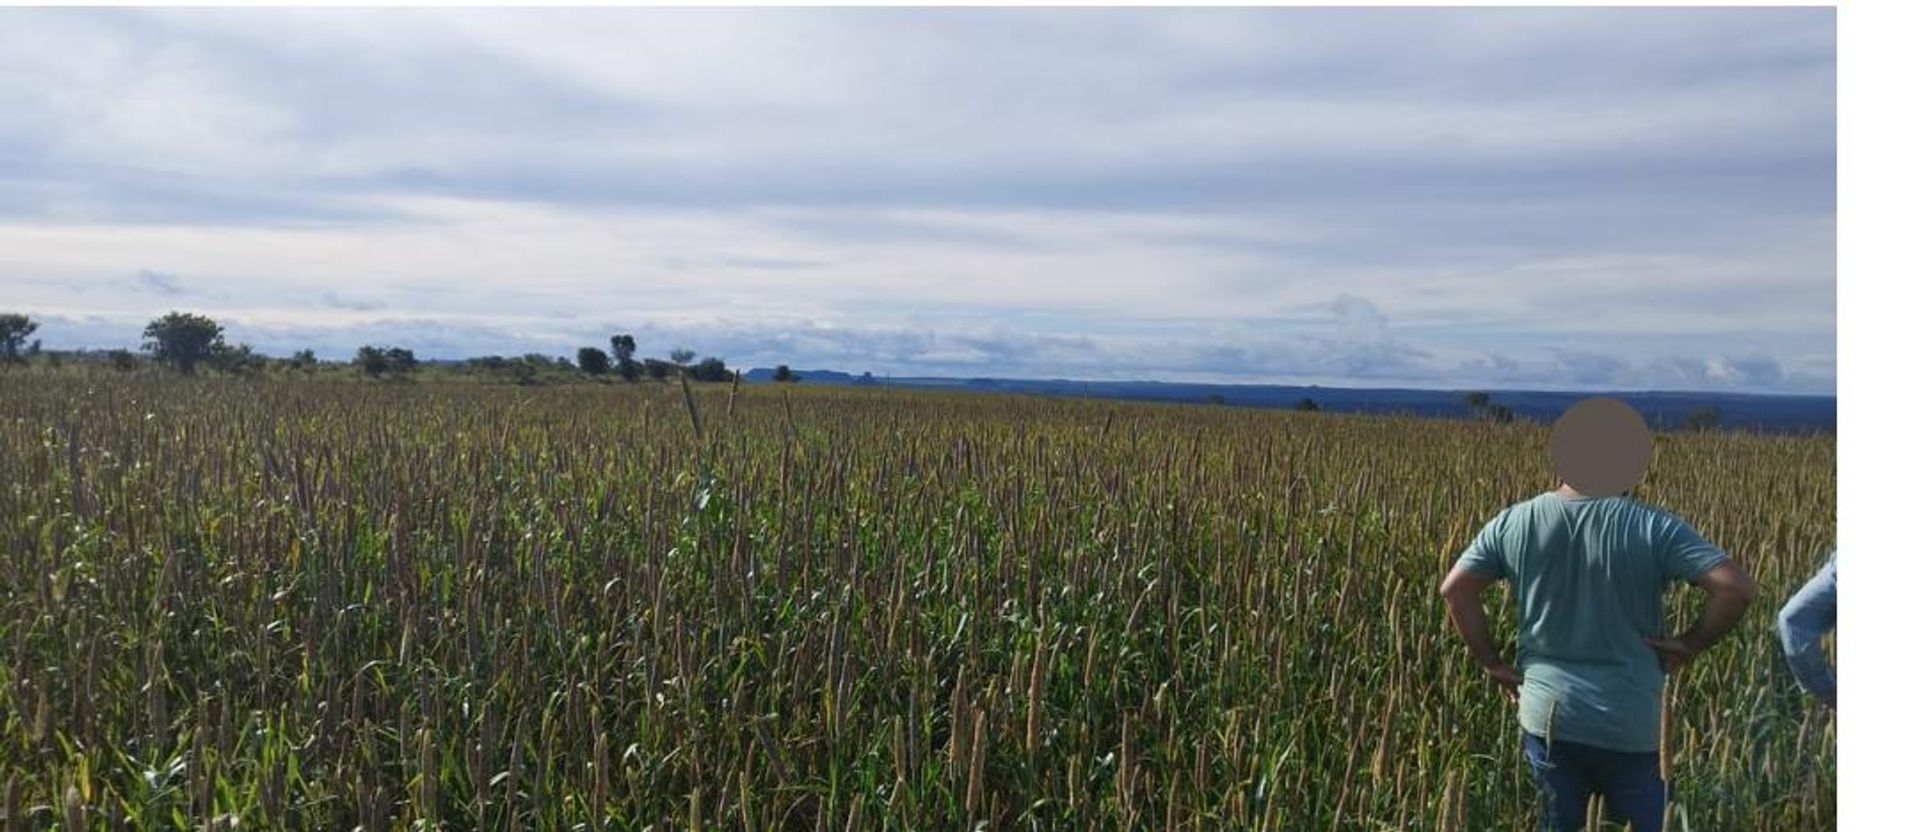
point(1774, 414)
point(815, 376)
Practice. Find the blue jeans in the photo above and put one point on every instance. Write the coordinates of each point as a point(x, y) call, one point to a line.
point(1568, 774)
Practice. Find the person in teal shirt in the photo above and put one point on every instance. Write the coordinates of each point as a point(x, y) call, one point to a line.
point(1587, 573)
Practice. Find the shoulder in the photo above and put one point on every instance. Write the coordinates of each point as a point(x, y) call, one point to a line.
point(1535, 503)
point(1519, 512)
point(1516, 519)
point(1657, 517)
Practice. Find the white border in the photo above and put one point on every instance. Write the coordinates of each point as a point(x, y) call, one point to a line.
point(1876, 237)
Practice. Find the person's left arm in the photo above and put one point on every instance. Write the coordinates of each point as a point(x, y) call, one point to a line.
point(1686, 555)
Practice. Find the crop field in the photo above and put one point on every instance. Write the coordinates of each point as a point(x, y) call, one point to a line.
point(269, 604)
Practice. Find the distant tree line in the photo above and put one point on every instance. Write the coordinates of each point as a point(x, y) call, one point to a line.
point(380, 361)
point(189, 343)
point(186, 342)
point(1482, 406)
point(679, 361)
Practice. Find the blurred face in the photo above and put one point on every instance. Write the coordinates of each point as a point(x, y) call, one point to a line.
point(1601, 446)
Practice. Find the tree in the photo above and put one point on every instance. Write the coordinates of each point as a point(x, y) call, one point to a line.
point(379, 361)
point(401, 360)
point(304, 361)
point(657, 369)
point(622, 356)
point(1306, 405)
point(593, 362)
point(239, 359)
point(783, 374)
point(14, 329)
point(1704, 418)
point(183, 339)
point(1483, 408)
point(487, 364)
point(622, 347)
point(371, 360)
point(121, 360)
point(710, 369)
point(680, 356)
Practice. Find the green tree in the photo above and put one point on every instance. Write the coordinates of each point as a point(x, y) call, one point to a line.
point(401, 360)
point(783, 373)
point(183, 339)
point(1484, 408)
point(121, 360)
point(1306, 405)
point(593, 362)
point(487, 364)
point(240, 359)
point(380, 361)
point(1704, 418)
point(623, 357)
point(681, 356)
point(14, 329)
point(371, 360)
point(304, 361)
point(710, 369)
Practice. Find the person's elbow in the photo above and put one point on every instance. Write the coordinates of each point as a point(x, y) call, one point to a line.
point(1798, 636)
point(1792, 641)
point(1463, 586)
point(1731, 584)
point(1743, 589)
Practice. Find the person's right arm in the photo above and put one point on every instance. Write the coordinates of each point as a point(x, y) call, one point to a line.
point(1729, 591)
point(1463, 590)
point(1481, 566)
point(1807, 616)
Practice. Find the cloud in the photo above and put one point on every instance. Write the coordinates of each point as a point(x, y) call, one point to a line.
point(1551, 196)
point(772, 263)
point(1311, 350)
point(1080, 108)
point(1752, 371)
point(334, 301)
point(1360, 320)
point(1584, 367)
point(158, 283)
point(1593, 370)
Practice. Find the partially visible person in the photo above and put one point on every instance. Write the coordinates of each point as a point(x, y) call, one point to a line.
point(1807, 617)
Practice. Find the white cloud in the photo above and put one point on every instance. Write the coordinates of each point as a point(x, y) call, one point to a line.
point(1422, 193)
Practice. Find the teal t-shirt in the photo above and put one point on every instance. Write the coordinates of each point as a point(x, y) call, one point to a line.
point(1587, 576)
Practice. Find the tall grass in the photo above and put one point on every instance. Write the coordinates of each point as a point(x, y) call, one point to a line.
point(274, 605)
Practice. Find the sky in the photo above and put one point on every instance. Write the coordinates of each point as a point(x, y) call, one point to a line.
point(1538, 198)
